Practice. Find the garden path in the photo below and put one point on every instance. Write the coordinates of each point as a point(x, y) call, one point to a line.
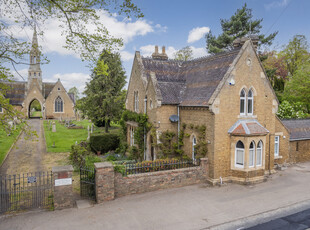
point(27, 154)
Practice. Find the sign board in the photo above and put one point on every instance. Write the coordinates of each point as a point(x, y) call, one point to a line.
point(66, 181)
point(32, 179)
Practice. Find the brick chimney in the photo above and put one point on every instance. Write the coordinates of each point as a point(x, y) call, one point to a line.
point(160, 56)
point(239, 42)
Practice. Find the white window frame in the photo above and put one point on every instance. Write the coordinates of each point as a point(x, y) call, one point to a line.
point(252, 152)
point(236, 150)
point(259, 149)
point(244, 102)
point(193, 147)
point(250, 99)
point(276, 146)
point(132, 136)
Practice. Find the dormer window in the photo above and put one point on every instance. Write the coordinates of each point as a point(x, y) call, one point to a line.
point(250, 102)
point(242, 102)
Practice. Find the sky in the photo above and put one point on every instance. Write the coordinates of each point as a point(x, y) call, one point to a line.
point(170, 23)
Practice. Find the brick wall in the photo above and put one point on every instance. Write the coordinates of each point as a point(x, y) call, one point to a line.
point(110, 184)
point(299, 151)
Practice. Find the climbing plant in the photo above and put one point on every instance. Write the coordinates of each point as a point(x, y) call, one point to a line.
point(201, 146)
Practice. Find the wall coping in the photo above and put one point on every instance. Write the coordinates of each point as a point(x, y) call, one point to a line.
point(103, 165)
point(162, 172)
point(65, 168)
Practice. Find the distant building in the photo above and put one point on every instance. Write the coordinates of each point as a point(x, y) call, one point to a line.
point(228, 93)
point(54, 100)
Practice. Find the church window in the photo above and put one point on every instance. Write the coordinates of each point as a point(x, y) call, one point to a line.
point(151, 104)
point(259, 154)
point(239, 155)
point(194, 147)
point(242, 102)
point(250, 102)
point(58, 89)
point(136, 101)
point(252, 154)
point(34, 59)
point(58, 105)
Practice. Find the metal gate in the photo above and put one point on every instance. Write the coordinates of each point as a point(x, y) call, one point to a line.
point(26, 191)
point(87, 183)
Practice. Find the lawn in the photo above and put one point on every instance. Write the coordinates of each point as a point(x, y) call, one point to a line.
point(36, 114)
point(64, 138)
point(6, 142)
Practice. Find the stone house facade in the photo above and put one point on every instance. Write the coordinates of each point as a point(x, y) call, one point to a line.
point(54, 100)
point(230, 95)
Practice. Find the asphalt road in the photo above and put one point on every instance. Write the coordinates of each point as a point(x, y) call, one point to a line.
point(297, 221)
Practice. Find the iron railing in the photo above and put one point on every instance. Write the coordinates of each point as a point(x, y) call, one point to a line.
point(26, 191)
point(87, 182)
point(161, 165)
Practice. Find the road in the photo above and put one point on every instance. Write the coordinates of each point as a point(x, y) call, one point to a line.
point(27, 154)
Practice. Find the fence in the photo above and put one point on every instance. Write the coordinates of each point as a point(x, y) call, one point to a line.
point(154, 166)
point(26, 191)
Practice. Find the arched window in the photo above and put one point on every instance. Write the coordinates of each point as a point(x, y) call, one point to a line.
point(194, 147)
point(259, 154)
point(250, 102)
point(242, 102)
point(239, 155)
point(252, 154)
point(58, 105)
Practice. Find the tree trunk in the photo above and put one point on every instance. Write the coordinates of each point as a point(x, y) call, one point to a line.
point(106, 125)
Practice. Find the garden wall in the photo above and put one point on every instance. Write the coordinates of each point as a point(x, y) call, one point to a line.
point(145, 182)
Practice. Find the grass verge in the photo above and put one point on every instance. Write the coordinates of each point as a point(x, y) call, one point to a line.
point(7, 141)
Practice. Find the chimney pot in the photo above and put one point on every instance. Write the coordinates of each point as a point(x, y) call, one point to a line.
point(156, 49)
point(163, 50)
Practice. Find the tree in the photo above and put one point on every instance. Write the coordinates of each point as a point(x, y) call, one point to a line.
point(80, 23)
point(76, 93)
point(239, 25)
point(184, 54)
point(295, 110)
point(104, 98)
point(297, 89)
point(296, 53)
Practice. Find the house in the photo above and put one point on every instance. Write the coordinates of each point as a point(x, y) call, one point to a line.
point(228, 94)
point(54, 100)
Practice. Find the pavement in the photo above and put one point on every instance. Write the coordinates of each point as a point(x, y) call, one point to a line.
point(26, 155)
point(230, 206)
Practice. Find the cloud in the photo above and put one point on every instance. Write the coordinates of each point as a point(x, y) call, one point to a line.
point(70, 80)
point(20, 75)
point(197, 33)
point(276, 4)
point(126, 56)
point(199, 52)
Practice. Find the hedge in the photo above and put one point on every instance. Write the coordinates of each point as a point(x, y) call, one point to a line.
point(104, 143)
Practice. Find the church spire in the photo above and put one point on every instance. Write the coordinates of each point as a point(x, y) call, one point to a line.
point(34, 71)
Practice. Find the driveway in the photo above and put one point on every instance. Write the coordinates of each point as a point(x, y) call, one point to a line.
point(231, 206)
point(27, 154)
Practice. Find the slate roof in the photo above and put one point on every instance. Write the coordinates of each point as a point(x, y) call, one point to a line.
point(248, 127)
point(189, 83)
point(17, 91)
point(299, 128)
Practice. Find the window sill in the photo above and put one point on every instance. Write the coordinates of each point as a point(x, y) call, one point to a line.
point(278, 157)
point(248, 169)
point(247, 116)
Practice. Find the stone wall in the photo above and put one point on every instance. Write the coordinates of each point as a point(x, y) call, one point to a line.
point(110, 184)
point(299, 151)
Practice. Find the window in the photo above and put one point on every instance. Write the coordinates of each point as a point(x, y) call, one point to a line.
point(250, 102)
point(58, 89)
point(276, 146)
point(58, 105)
point(239, 155)
point(252, 154)
point(136, 101)
point(151, 104)
point(242, 102)
point(194, 147)
point(297, 149)
point(35, 74)
point(259, 154)
point(132, 136)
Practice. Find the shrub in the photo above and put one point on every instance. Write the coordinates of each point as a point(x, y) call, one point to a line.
point(104, 142)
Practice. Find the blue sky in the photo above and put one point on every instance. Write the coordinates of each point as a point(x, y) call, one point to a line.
point(175, 24)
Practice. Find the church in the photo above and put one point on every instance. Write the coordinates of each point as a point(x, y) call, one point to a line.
point(230, 96)
point(54, 101)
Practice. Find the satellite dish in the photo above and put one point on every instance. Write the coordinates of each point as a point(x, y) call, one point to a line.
point(174, 118)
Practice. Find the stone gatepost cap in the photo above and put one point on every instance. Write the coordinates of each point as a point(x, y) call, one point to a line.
point(204, 159)
point(65, 168)
point(103, 165)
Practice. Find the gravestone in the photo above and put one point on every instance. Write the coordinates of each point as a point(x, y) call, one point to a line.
point(54, 127)
point(92, 128)
point(88, 132)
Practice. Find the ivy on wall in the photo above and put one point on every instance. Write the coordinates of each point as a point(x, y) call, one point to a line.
point(201, 146)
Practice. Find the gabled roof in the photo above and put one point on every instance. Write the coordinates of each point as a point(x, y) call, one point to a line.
point(248, 127)
point(189, 83)
point(47, 87)
point(299, 128)
point(16, 92)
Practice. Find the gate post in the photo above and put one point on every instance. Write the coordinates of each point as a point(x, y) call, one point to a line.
point(104, 182)
point(63, 192)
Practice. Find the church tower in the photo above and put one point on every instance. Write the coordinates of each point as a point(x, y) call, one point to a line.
point(34, 72)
